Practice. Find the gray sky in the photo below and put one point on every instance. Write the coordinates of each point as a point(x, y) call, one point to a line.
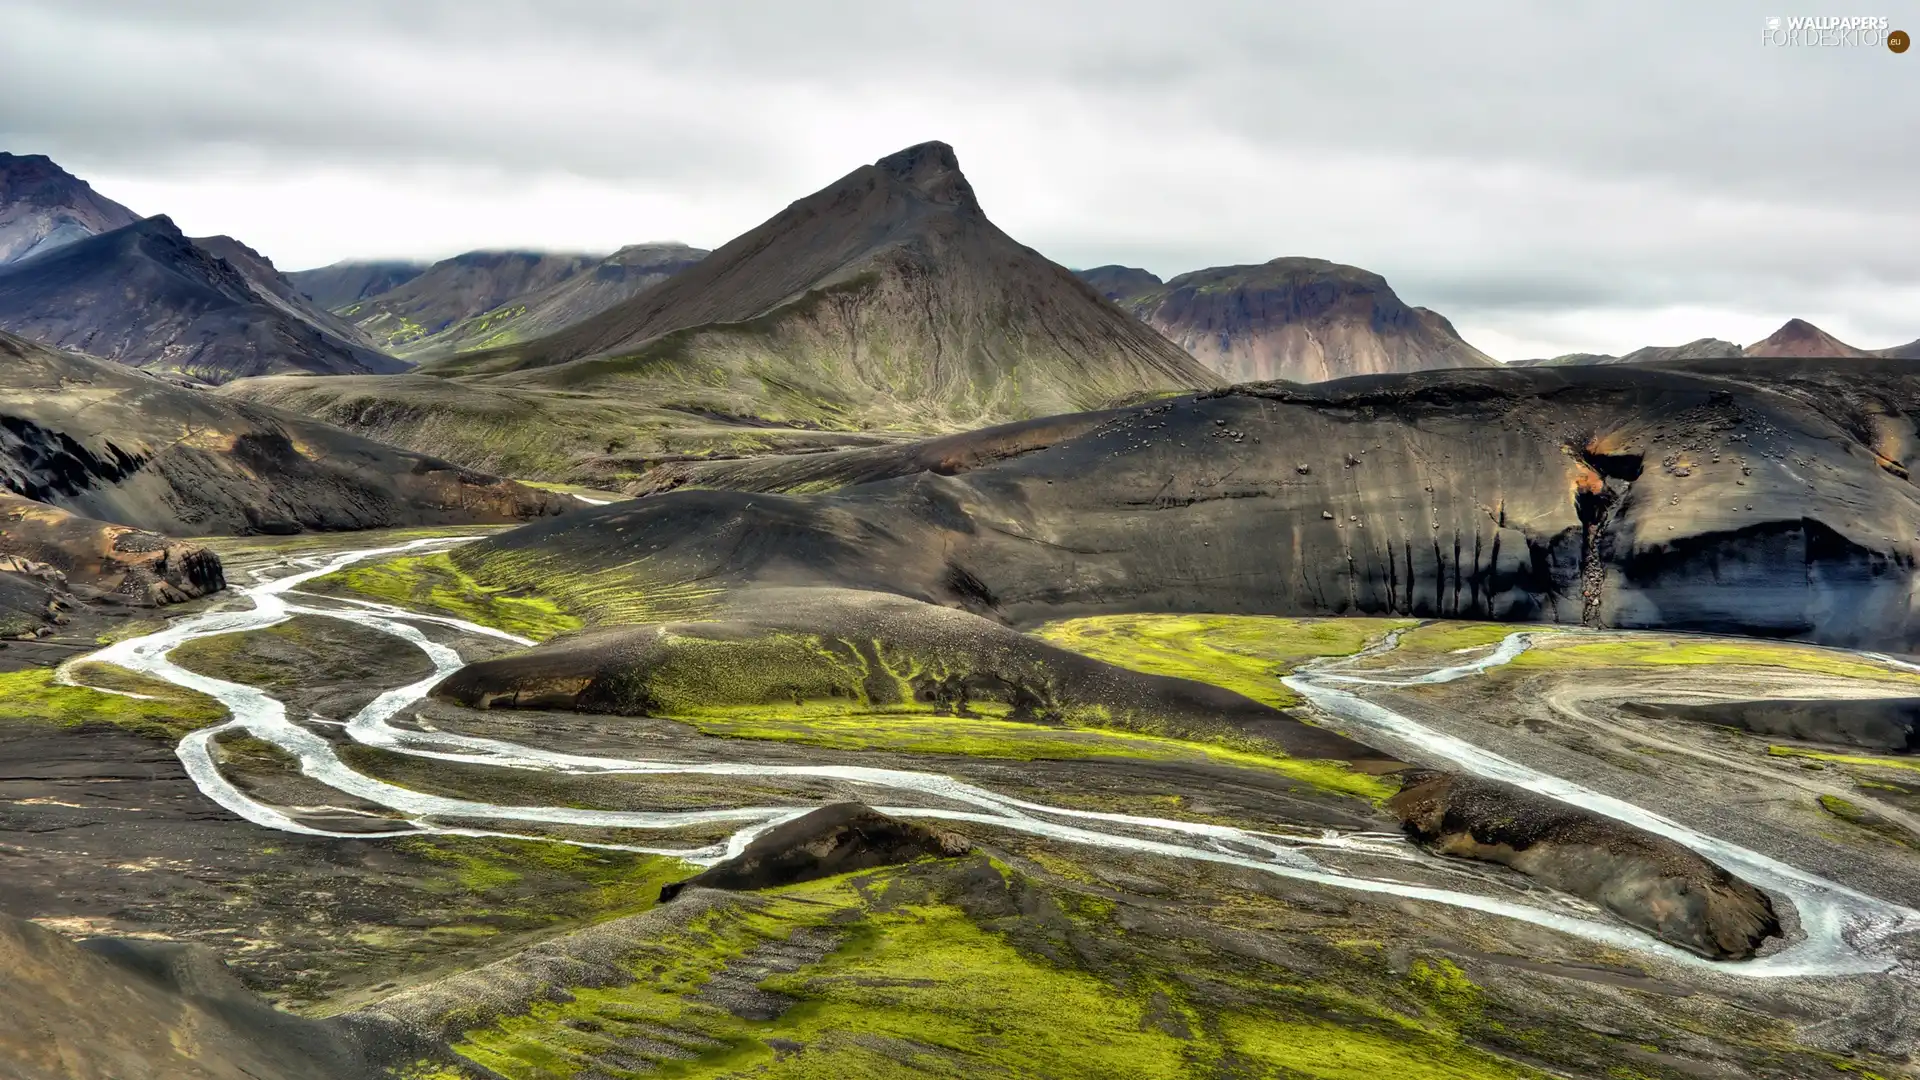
point(1553, 177)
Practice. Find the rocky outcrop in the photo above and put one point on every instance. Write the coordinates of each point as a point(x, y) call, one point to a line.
point(103, 559)
point(1646, 880)
point(835, 839)
point(1120, 283)
point(1303, 320)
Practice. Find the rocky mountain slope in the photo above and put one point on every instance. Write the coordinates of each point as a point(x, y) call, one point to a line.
point(1739, 495)
point(885, 304)
point(1302, 320)
point(452, 290)
point(618, 277)
point(113, 1009)
point(341, 284)
point(124, 446)
point(147, 296)
point(43, 207)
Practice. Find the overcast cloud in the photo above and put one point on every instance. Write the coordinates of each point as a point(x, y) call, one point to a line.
point(1553, 177)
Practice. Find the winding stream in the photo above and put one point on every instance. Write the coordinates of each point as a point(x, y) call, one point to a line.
point(1844, 931)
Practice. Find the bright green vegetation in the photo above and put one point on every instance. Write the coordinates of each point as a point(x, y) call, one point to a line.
point(1859, 816)
point(453, 903)
point(1248, 654)
point(436, 582)
point(1446, 637)
point(919, 985)
point(167, 712)
point(926, 733)
point(1664, 652)
point(1861, 760)
point(617, 594)
point(575, 489)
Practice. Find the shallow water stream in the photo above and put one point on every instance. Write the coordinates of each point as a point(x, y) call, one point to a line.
point(1843, 931)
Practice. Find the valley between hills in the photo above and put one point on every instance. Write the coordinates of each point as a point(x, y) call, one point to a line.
point(871, 649)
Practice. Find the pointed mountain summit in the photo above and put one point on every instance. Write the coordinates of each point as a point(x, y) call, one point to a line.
point(885, 299)
point(404, 318)
point(337, 285)
point(147, 296)
point(1801, 338)
point(1303, 320)
point(43, 207)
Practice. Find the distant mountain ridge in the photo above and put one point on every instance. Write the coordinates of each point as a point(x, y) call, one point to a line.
point(1298, 319)
point(404, 318)
point(44, 207)
point(577, 297)
point(339, 284)
point(148, 296)
point(1796, 339)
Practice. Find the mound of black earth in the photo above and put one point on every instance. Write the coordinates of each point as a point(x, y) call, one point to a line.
point(1890, 725)
point(786, 649)
point(1646, 880)
point(115, 1009)
point(835, 839)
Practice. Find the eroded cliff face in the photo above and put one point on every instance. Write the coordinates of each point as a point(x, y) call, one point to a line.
point(1771, 500)
point(133, 565)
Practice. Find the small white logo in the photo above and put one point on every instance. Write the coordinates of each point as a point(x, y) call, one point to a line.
point(1773, 22)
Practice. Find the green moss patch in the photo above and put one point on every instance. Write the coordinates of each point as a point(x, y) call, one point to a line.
point(1858, 760)
point(928, 733)
point(165, 712)
point(1683, 652)
point(436, 582)
point(922, 985)
point(1248, 654)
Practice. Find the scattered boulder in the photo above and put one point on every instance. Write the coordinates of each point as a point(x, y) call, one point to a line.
point(1646, 880)
point(835, 839)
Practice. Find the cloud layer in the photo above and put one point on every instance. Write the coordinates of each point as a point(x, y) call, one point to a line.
point(1553, 177)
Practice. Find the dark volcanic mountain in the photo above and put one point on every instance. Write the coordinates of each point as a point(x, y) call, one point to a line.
point(886, 293)
point(43, 207)
point(1801, 338)
point(341, 284)
point(120, 445)
point(1303, 320)
point(619, 277)
point(1120, 283)
point(452, 290)
point(1737, 495)
point(149, 297)
point(882, 305)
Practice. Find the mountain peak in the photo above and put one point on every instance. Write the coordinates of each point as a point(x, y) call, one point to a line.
point(933, 170)
point(43, 207)
point(1799, 337)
